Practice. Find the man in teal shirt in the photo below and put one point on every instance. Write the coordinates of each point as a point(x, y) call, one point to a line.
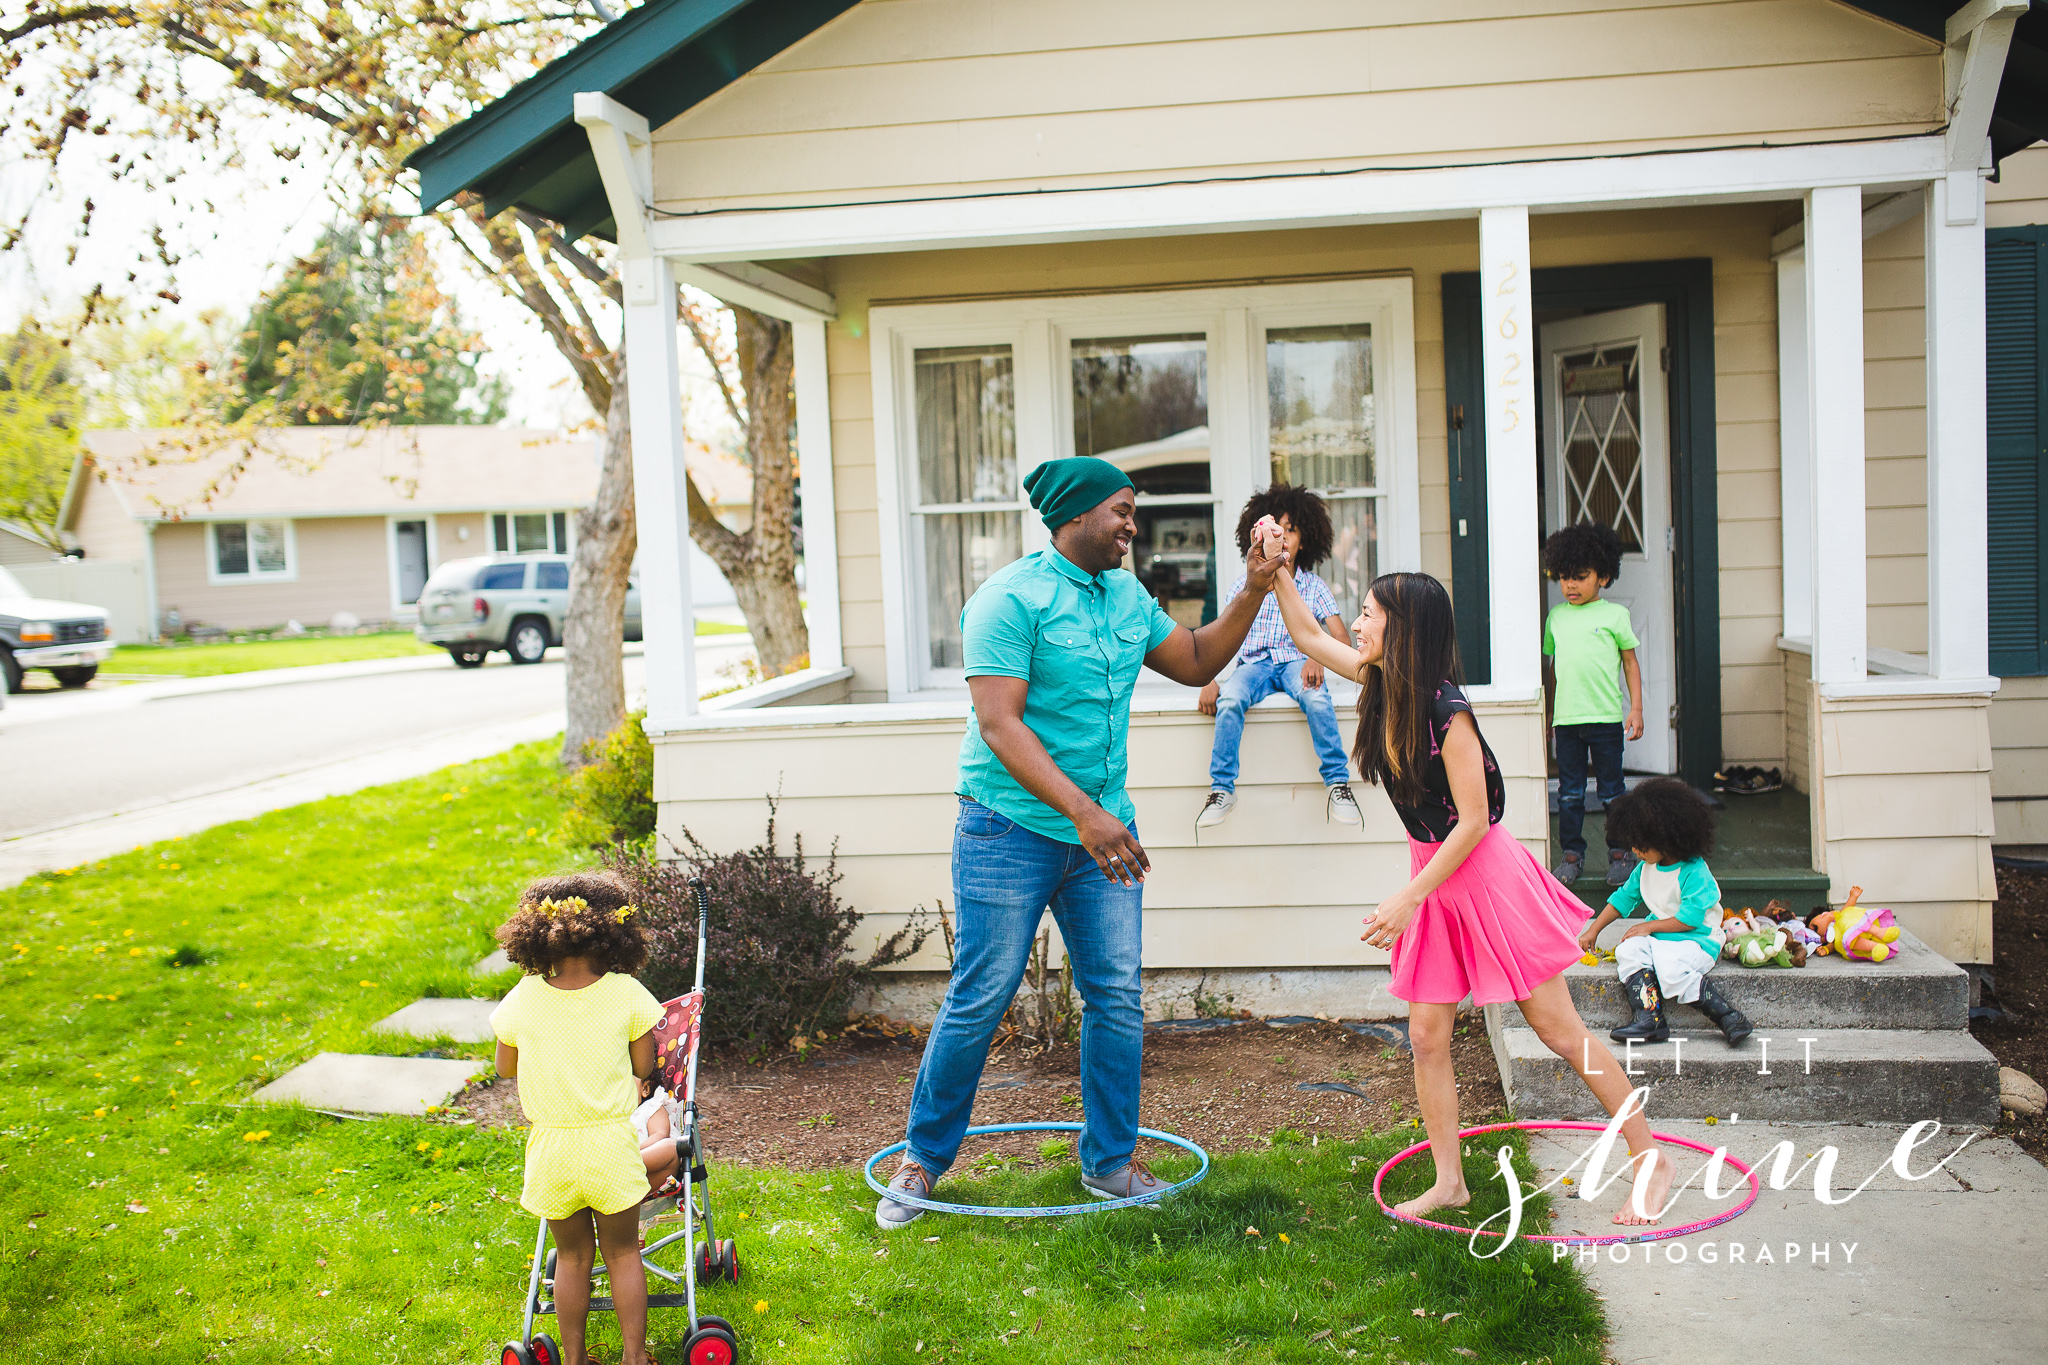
point(1053, 643)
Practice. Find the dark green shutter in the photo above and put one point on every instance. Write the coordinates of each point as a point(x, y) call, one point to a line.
point(2016, 281)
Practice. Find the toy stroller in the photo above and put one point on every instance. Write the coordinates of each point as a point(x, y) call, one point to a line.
point(712, 1340)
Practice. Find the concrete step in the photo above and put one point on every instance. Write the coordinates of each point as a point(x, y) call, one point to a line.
point(1862, 1075)
point(358, 1083)
point(1799, 887)
point(1916, 988)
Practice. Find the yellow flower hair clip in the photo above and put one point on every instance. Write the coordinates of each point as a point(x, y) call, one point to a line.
point(574, 905)
point(625, 912)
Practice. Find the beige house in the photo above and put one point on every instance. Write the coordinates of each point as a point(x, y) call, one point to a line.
point(1715, 273)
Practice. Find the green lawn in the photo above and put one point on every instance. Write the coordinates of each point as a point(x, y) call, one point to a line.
point(148, 1214)
point(207, 661)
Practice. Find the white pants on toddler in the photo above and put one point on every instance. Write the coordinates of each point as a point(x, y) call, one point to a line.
point(1680, 964)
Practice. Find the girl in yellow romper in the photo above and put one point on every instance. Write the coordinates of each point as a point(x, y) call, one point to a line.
point(578, 1031)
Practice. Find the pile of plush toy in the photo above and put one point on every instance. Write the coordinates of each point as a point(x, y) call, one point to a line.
point(1778, 937)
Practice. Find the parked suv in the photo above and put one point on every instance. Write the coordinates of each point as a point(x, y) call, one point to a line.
point(510, 602)
point(68, 638)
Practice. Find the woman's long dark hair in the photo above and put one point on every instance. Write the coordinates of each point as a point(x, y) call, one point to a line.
point(1419, 653)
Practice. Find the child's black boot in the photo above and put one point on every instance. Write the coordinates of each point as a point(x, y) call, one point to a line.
point(1647, 1025)
point(1732, 1022)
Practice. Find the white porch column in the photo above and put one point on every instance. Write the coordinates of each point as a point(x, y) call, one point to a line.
point(1795, 450)
point(1958, 626)
point(821, 516)
point(1834, 389)
point(660, 491)
point(1508, 365)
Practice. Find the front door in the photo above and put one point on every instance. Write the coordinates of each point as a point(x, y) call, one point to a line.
point(1607, 450)
point(412, 560)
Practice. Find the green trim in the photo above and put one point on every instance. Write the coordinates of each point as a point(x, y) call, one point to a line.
point(660, 60)
point(1686, 289)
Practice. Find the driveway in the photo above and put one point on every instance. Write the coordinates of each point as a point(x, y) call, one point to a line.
point(76, 757)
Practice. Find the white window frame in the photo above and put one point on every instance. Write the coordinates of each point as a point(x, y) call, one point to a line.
point(289, 574)
point(1039, 331)
point(399, 608)
point(568, 515)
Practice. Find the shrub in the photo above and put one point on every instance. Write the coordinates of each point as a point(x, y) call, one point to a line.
point(611, 798)
point(778, 966)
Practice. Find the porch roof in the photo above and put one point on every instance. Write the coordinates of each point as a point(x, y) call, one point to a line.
point(525, 149)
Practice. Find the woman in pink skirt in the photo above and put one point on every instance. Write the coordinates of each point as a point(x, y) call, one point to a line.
point(1480, 916)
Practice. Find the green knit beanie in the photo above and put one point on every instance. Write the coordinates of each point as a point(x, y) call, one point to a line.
point(1063, 489)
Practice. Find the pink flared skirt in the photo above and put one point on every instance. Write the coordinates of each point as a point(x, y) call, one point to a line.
point(1499, 927)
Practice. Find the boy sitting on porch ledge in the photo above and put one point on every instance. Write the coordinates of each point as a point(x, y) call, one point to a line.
point(1590, 642)
point(1268, 662)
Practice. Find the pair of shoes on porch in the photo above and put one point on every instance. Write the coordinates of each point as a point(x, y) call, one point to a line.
point(912, 1180)
point(1620, 862)
point(1571, 869)
point(1748, 781)
point(1216, 809)
point(1341, 806)
point(1128, 1180)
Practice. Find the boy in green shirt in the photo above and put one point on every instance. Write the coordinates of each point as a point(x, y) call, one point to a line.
point(1592, 645)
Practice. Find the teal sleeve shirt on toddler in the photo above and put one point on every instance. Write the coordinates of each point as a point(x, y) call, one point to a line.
point(1685, 891)
point(1078, 640)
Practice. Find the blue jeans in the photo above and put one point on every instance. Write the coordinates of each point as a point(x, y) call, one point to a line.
point(1251, 683)
point(1004, 878)
point(1601, 743)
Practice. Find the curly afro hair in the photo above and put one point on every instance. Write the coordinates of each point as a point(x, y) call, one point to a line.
point(1665, 816)
point(576, 914)
point(1570, 553)
point(1304, 512)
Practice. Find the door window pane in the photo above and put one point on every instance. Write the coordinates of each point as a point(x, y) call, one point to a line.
point(1601, 407)
point(1319, 405)
point(966, 425)
point(1354, 552)
point(412, 560)
point(961, 549)
point(501, 531)
point(530, 532)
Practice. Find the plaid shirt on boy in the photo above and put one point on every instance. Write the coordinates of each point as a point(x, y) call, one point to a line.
point(1268, 638)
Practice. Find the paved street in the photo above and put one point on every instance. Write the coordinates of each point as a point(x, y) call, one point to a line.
point(71, 757)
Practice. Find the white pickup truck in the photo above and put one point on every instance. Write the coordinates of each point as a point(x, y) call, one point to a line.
point(67, 638)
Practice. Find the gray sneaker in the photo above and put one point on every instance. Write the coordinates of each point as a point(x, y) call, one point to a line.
point(1216, 809)
point(1340, 805)
point(1571, 869)
point(911, 1179)
point(1619, 865)
point(1130, 1179)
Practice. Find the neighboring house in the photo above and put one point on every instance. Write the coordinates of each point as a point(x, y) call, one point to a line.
point(321, 521)
point(19, 545)
point(1712, 272)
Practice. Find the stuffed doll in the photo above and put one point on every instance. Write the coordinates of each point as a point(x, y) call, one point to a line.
point(1857, 932)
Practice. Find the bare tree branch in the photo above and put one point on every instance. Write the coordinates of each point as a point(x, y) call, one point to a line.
point(710, 350)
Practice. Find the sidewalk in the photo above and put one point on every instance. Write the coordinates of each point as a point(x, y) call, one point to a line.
point(1950, 1267)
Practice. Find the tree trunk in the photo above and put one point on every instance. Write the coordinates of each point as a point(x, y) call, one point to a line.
point(761, 564)
point(594, 626)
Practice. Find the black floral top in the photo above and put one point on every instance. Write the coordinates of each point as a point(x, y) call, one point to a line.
point(1432, 821)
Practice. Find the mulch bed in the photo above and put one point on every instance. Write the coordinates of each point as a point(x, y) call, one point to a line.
point(2020, 970)
point(1227, 1088)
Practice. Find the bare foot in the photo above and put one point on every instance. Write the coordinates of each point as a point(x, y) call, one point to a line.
point(1652, 1183)
point(1437, 1196)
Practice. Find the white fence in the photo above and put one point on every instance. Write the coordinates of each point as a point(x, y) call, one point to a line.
point(113, 584)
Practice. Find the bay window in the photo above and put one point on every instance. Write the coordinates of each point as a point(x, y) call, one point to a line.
point(1203, 395)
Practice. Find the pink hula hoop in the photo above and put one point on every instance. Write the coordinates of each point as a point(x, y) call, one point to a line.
point(1650, 1235)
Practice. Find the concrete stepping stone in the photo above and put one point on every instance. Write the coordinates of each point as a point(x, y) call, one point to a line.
point(466, 1021)
point(492, 965)
point(363, 1084)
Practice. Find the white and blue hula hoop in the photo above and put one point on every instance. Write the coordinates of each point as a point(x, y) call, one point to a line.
point(1046, 1210)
